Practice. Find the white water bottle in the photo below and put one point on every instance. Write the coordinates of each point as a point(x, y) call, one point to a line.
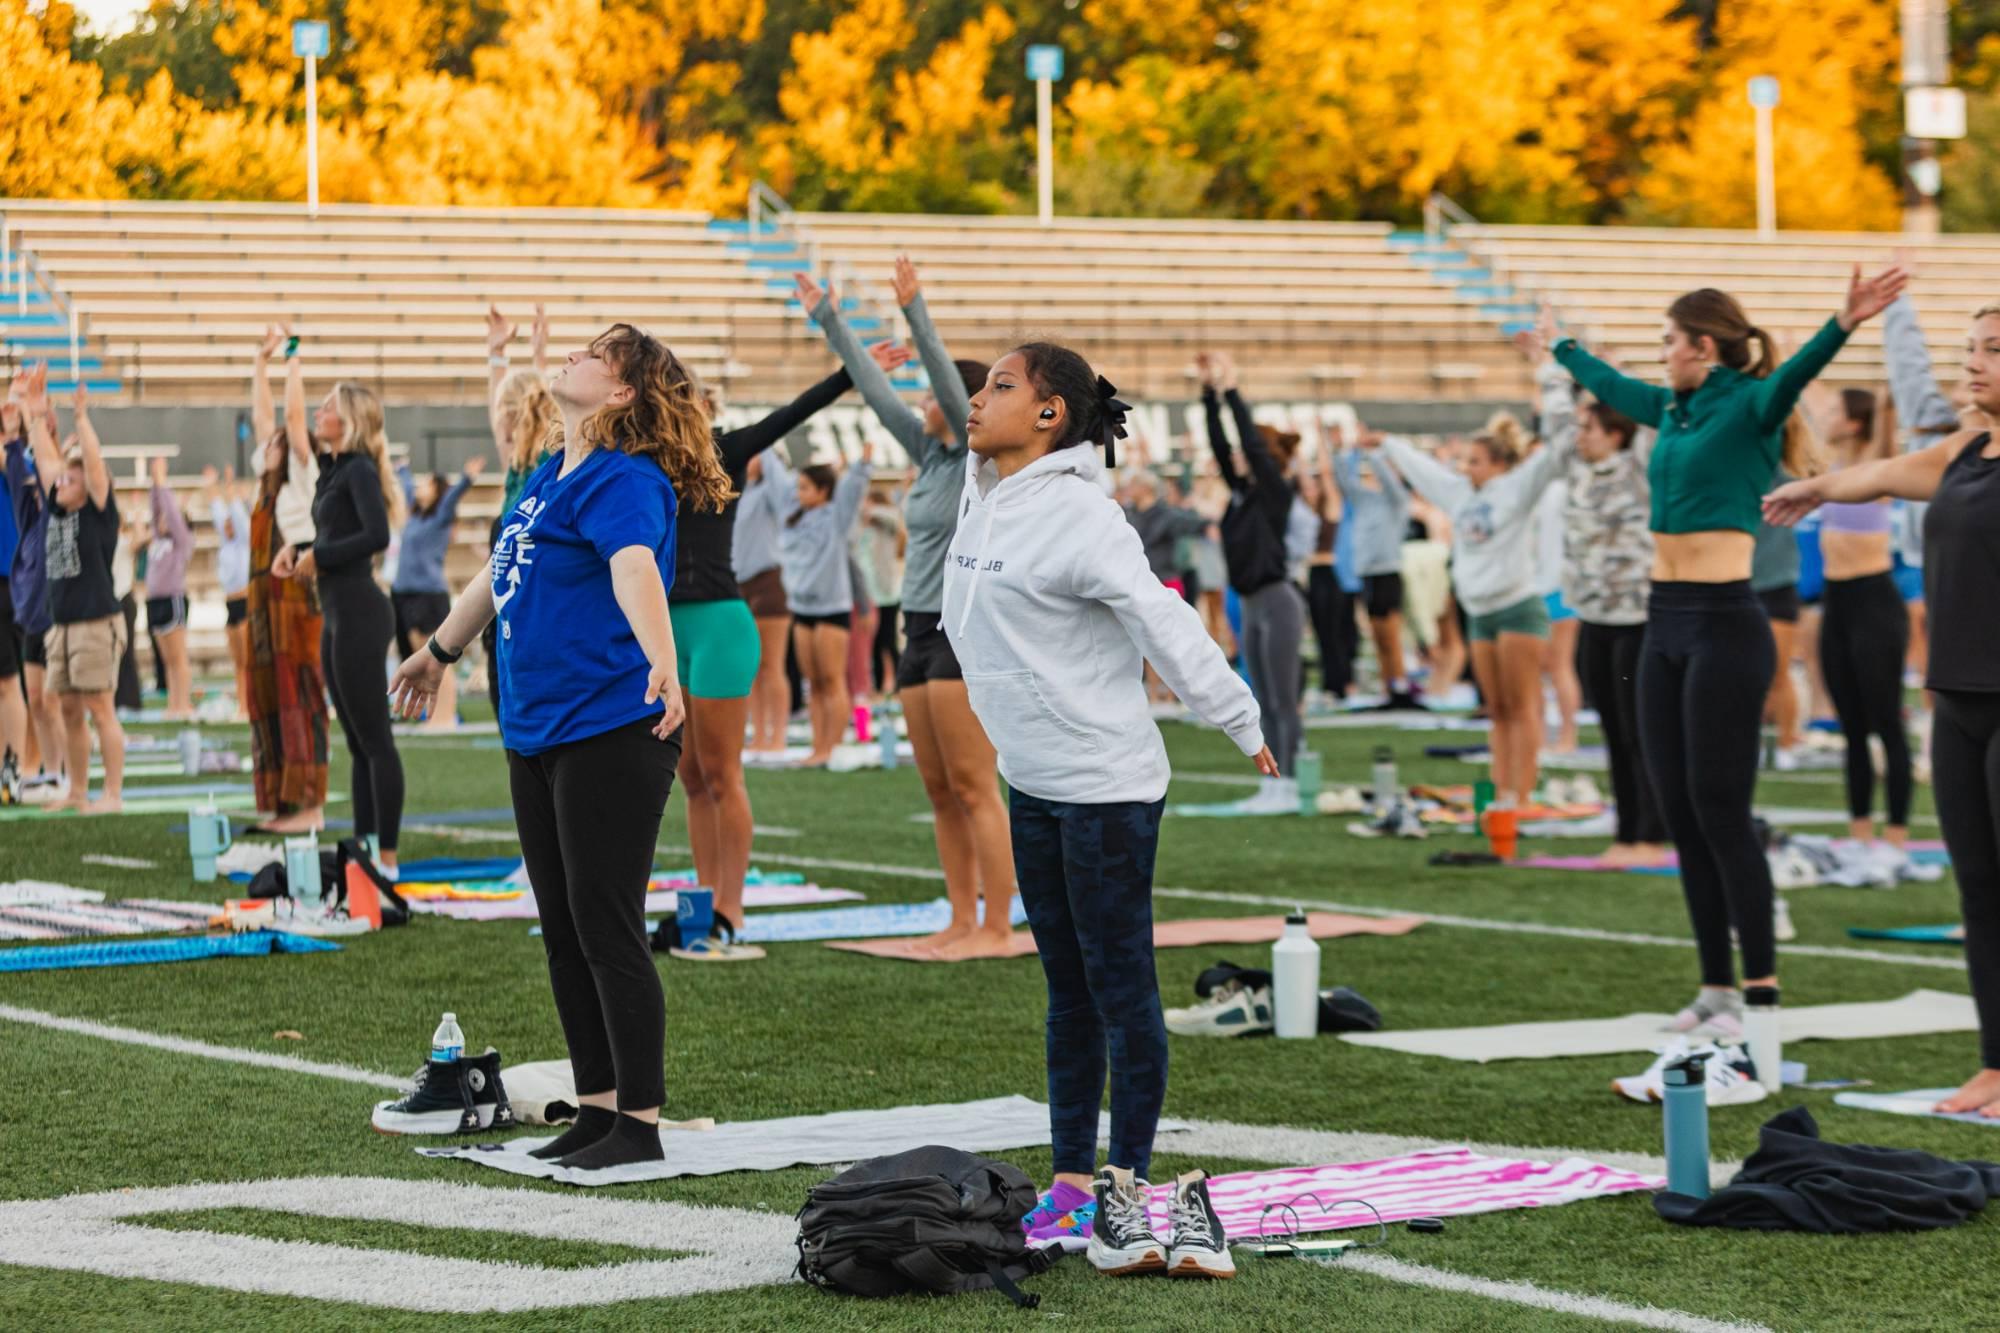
point(1295, 979)
point(1760, 1032)
point(1384, 791)
point(447, 1043)
point(885, 735)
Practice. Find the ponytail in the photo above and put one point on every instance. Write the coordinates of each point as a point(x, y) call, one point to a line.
point(1766, 359)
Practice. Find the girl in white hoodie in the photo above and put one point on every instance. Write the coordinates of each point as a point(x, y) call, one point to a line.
point(1492, 505)
point(1052, 609)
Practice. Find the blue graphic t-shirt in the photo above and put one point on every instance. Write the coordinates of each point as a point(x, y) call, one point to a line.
point(570, 667)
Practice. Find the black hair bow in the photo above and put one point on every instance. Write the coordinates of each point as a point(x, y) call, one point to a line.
point(1114, 417)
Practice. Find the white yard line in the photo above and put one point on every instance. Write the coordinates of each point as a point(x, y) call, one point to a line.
point(1528, 1294)
point(290, 1064)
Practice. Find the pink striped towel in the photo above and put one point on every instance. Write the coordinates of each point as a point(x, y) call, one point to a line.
point(1438, 1182)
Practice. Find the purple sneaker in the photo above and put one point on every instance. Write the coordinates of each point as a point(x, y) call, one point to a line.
point(1062, 1217)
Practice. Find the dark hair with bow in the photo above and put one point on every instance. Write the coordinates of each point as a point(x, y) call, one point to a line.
point(1092, 412)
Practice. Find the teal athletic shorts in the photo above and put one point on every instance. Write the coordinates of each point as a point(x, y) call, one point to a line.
point(717, 647)
point(1528, 616)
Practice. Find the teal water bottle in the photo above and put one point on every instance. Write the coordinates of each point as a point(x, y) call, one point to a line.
point(1686, 1118)
point(1308, 772)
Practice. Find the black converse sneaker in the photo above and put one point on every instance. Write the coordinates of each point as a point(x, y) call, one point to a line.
point(489, 1094)
point(1122, 1240)
point(1199, 1247)
point(439, 1102)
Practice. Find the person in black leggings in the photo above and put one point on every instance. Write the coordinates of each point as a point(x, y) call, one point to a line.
point(1960, 477)
point(579, 581)
point(355, 505)
point(1724, 419)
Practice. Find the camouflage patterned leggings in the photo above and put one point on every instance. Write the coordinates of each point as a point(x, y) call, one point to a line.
point(1086, 876)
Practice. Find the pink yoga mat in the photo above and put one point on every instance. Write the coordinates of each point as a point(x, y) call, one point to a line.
point(1440, 1182)
point(1175, 934)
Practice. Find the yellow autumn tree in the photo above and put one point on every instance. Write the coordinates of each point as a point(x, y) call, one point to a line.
point(50, 127)
point(1835, 73)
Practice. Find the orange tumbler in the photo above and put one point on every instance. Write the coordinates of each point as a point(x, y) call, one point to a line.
point(1503, 832)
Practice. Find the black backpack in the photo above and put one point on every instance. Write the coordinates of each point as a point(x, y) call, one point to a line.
point(930, 1219)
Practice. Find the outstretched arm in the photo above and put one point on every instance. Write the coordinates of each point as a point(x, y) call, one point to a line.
point(296, 432)
point(1644, 403)
point(896, 416)
point(1432, 479)
point(739, 446)
point(1913, 386)
point(946, 383)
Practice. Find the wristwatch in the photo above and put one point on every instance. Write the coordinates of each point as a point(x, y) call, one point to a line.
point(440, 654)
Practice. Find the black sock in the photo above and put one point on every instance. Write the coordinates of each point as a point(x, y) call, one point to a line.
point(592, 1124)
point(630, 1140)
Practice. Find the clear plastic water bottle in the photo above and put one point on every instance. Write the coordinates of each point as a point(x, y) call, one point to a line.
point(1385, 778)
point(1295, 980)
point(885, 735)
point(447, 1043)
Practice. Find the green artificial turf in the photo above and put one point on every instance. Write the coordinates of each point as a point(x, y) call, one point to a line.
point(813, 1030)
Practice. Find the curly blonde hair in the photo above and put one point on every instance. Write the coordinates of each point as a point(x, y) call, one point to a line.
point(524, 397)
point(1505, 439)
point(664, 420)
point(362, 431)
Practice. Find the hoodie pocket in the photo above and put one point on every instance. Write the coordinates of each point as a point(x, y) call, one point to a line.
point(1019, 718)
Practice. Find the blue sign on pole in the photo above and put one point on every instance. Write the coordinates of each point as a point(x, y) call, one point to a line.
point(1045, 62)
point(1764, 91)
point(310, 39)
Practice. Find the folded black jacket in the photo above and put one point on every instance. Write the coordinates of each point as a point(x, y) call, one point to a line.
point(1795, 1181)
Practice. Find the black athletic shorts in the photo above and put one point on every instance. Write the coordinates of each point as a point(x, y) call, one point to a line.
point(1382, 594)
point(927, 653)
point(35, 649)
point(10, 635)
point(838, 619)
point(1781, 604)
point(418, 614)
point(166, 614)
point(238, 608)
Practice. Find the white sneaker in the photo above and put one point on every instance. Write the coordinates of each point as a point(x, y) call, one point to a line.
point(1583, 791)
point(1730, 1080)
point(1782, 928)
point(1400, 820)
point(1341, 801)
point(1785, 759)
point(1651, 1086)
point(1199, 1248)
point(1275, 796)
point(1122, 1239)
point(1555, 792)
point(1234, 1010)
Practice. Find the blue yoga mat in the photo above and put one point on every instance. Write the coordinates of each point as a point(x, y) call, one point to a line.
point(253, 944)
point(1949, 934)
point(876, 921)
point(457, 869)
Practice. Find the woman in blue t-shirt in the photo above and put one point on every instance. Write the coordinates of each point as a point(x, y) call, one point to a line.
point(578, 580)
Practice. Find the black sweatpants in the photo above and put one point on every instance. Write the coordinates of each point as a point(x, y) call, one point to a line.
point(1334, 627)
point(589, 817)
point(1864, 635)
point(1965, 778)
point(353, 651)
point(1607, 662)
point(127, 693)
point(1703, 675)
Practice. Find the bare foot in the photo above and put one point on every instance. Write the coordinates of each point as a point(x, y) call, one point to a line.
point(1981, 1093)
point(103, 805)
point(816, 760)
point(981, 943)
point(68, 805)
point(293, 824)
point(957, 930)
point(1618, 854)
point(1651, 854)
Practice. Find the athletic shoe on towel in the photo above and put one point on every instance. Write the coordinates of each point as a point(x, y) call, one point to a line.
point(1782, 928)
point(1400, 820)
point(489, 1094)
point(440, 1101)
point(1731, 1077)
point(1651, 1085)
point(1711, 1015)
point(1061, 1218)
point(1234, 1010)
point(1341, 801)
point(1197, 1247)
point(1122, 1240)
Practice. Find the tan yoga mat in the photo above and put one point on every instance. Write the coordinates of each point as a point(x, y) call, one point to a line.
point(1172, 934)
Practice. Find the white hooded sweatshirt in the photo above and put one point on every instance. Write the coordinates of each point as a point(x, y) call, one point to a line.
point(1051, 607)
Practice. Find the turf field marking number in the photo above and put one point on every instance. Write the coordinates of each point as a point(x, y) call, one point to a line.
point(728, 1248)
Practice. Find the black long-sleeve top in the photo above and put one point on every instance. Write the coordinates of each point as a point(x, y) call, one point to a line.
point(703, 571)
point(350, 518)
point(1260, 505)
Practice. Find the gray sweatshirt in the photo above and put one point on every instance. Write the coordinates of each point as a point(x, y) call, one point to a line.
point(1493, 550)
point(1378, 517)
point(1921, 406)
point(812, 548)
point(930, 510)
point(753, 546)
point(1607, 563)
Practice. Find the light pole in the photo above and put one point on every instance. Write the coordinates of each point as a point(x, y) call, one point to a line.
point(1045, 67)
point(311, 41)
point(1764, 98)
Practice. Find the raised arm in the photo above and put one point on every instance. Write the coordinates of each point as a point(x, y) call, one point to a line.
point(1913, 386)
point(896, 416)
point(1218, 442)
point(1644, 403)
point(1432, 479)
point(409, 484)
point(498, 334)
point(1558, 409)
point(263, 410)
point(168, 516)
point(1270, 477)
point(946, 384)
point(96, 476)
point(447, 509)
point(296, 431)
point(739, 446)
point(31, 388)
point(850, 490)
